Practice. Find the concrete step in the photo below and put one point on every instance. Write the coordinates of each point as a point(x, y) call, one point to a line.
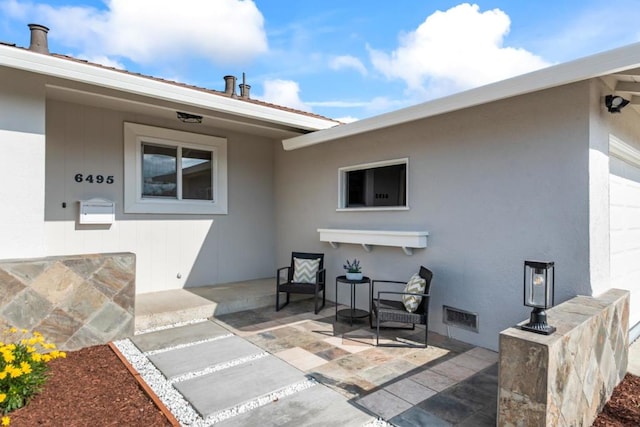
point(157, 309)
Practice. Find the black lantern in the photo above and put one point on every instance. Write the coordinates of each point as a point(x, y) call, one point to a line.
point(538, 293)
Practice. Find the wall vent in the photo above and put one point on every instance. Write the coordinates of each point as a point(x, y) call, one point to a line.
point(460, 318)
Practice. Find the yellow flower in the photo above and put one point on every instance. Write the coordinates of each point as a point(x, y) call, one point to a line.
point(46, 358)
point(15, 372)
point(13, 330)
point(8, 356)
point(36, 357)
point(26, 368)
point(3, 375)
point(3, 396)
point(31, 349)
point(6, 421)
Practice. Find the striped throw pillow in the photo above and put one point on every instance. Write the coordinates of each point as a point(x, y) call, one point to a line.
point(415, 285)
point(304, 270)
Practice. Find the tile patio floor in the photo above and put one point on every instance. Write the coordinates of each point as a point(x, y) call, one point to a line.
point(448, 383)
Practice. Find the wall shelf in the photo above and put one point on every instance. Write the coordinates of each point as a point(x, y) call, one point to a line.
point(407, 240)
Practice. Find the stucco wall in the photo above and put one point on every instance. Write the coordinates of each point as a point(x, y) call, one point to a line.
point(493, 186)
point(22, 143)
point(202, 249)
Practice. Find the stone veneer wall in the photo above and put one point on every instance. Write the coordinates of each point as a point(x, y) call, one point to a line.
point(565, 379)
point(74, 301)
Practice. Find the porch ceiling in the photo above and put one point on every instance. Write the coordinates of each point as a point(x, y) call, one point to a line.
point(114, 100)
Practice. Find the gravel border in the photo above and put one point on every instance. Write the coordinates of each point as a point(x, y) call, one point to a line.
point(173, 325)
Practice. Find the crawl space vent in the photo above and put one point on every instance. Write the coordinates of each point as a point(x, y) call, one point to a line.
point(460, 318)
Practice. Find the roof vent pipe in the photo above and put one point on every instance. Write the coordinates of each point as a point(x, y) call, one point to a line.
point(39, 38)
point(244, 88)
point(230, 86)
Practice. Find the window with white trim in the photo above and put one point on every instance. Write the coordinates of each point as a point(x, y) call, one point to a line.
point(374, 186)
point(174, 172)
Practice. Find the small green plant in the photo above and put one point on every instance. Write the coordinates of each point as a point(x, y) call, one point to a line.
point(23, 368)
point(353, 266)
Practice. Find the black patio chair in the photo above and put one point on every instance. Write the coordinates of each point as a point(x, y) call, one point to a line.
point(387, 306)
point(312, 283)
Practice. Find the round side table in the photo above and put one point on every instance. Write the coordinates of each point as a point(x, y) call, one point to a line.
point(352, 312)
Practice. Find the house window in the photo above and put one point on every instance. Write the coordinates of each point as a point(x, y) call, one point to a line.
point(374, 186)
point(170, 171)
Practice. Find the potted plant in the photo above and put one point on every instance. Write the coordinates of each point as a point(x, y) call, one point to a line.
point(354, 271)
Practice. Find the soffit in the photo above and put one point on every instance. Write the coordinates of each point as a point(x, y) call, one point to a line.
point(105, 98)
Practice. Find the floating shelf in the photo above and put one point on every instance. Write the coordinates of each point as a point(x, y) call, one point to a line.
point(407, 240)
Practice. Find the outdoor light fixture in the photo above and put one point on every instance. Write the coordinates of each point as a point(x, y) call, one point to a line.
point(615, 103)
point(538, 293)
point(189, 118)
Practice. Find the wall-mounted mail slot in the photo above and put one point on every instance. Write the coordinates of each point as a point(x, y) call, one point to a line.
point(97, 211)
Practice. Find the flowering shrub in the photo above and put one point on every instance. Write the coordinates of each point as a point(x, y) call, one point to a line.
point(23, 368)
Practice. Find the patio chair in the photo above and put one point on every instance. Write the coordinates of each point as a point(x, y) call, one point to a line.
point(305, 275)
point(388, 305)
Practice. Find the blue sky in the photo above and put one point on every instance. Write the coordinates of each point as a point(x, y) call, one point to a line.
point(341, 59)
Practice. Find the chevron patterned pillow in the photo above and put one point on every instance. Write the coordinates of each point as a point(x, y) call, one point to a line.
point(415, 285)
point(304, 270)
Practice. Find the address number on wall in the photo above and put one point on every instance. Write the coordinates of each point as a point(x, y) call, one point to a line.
point(98, 179)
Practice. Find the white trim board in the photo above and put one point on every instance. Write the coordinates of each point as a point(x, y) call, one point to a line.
point(624, 151)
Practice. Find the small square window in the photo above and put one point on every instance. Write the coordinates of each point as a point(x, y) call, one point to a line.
point(380, 185)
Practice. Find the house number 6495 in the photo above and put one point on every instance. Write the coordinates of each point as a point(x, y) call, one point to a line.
point(98, 179)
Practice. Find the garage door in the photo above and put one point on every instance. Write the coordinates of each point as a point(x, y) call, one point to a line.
point(624, 199)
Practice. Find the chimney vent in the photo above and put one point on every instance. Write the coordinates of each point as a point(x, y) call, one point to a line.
point(230, 86)
point(39, 38)
point(244, 88)
point(244, 91)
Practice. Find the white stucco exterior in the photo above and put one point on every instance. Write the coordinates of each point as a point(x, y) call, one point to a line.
point(489, 200)
point(22, 143)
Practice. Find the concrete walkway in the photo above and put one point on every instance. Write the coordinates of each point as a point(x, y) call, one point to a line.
point(231, 382)
point(292, 367)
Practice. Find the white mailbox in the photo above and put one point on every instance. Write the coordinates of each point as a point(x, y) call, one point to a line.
point(97, 211)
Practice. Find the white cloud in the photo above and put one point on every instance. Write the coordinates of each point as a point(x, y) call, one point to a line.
point(347, 119)
point(146, 31)
point(285, 93)
point(338, 104)
point(455, 50)
point(346, 62)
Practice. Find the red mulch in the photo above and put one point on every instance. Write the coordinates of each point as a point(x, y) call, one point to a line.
point(92, 387)
point(623, 409)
